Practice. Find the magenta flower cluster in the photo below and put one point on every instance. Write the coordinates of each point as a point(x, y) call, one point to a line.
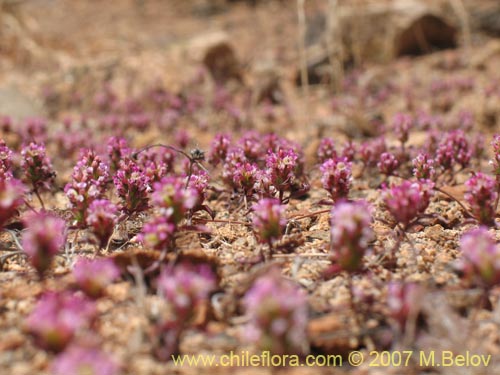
point(278, 315)
point(93, 276)
point(269, 220)
point(44, 237)
point(408, 200)
point(57, 317)
point(336, 177)
point(481, 196)
point(88, 183)
point(351, 234)
point(480, 257)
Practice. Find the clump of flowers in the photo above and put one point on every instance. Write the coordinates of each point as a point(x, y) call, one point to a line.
point(84, 360)
point(117, 149)
point(278, 315)
point(44, 237)
point(132, 186)
point(102, 218)
point(408, 200)
point(495, 162)
point(423, 167)
point(245, 176)
point(88, 182)
point(57, 317)
point(481, 196)
point(282, 166)
point(454, 149)
point(37, 167)
point(326, 150)
point(269, 220)
point(388, 164)
point(336, 177)
point(403, 301)
point(157, 163)
point(5, 161)
point(219, 148)
point(370, 151)
point(158, 233)
point(11, 198)
point(350, 234)
point(481, 257)
point(171, 195)
point(186, 288)
point(93, 276)
point(401, 125)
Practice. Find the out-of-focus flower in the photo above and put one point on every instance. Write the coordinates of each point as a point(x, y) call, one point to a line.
point(81, 360)
point(480, 257)
point(44, 237)
point(11, 198)
point(93, 276)
point(350, 233)
point(481, 196)
point(278, 315)
point(102, 218)
point(56, 318)
point(269, 219)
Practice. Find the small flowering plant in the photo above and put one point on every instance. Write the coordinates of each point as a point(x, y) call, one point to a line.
point(85, 360)
point(132, 186)
point(88, 183)
point(408, 200)
point(336, 178)
point(278, 315)
point(186, 288)
point(11, 198)
point(171, 195)
point(269, 220)
point(480, 257)
point(481, 195)
point(423, 167)
point(37, 168)
point(44, 237)
point(57, 317)
point(159, 233)
point(102, 218)
point(403, 301)
point(326, 150)
point(350, 234)
point(93, 276)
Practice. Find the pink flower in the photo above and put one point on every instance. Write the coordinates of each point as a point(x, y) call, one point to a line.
point(44, 237)
point(481, 257)
point(408, 199)
point(423, 167)
point(82, 360)
point(132, 186)
point(336, 177)
point(269, 219)
point(56, 318)
point(11, 198)
point(388, 164)
point(481, 196)
point(403, 300)
point(36, 165)
point(102, 218)
point(93, 276)
point(326, 150)
point(278, 315)
point(171, 195)
point(350, 233)
point(158, 233)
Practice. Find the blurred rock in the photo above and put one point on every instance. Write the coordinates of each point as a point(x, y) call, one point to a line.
point(215, 51)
